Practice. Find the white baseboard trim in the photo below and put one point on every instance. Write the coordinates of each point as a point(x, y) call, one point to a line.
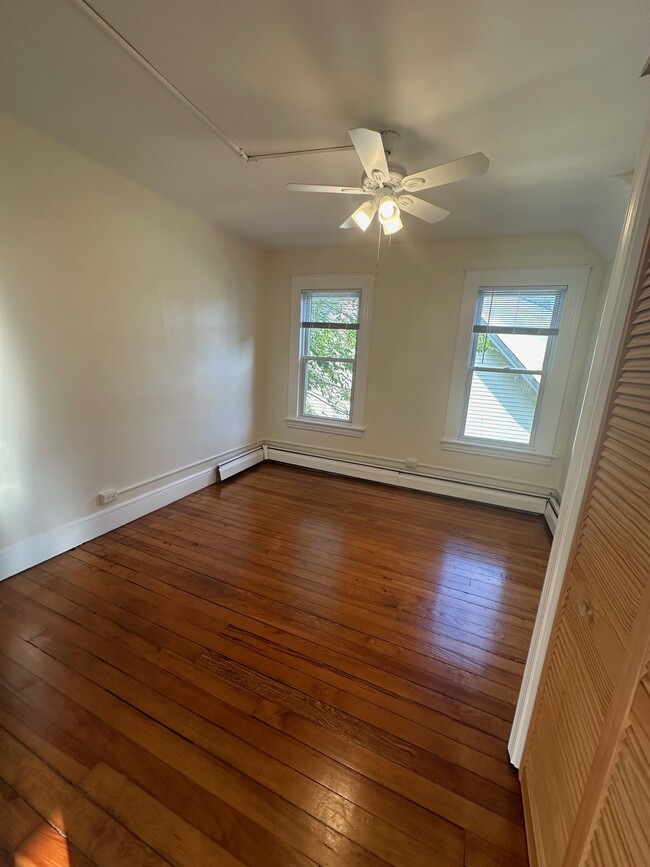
point(475, 493)
point(551, 513)
point(239, 464)
point(39, 548)
point(535, 503)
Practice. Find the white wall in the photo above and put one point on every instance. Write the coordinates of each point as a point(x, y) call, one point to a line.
point(415, 316)
point(127, 335)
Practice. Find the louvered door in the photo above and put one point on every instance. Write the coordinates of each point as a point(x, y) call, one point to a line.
point(621, 835)
point(600, 638)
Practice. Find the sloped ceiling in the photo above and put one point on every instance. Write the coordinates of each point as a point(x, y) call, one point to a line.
point(550, 90)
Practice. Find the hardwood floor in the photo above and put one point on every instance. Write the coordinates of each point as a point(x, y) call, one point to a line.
point(288, 668)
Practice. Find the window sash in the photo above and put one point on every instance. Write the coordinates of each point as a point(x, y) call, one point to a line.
point(478, 329)
point(305, 358)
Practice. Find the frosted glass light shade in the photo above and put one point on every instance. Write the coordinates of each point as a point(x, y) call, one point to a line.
point(393, 225)
point(364, 214)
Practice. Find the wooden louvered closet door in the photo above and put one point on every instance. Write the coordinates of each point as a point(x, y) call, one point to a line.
point(585, 772)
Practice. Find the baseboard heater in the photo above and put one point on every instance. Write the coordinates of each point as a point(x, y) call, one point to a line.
point(552, 511)
point(524, 502)
point(240, 463)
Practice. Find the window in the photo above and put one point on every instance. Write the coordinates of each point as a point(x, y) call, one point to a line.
point(513, 339)
point(511, 361)
point(329, 352)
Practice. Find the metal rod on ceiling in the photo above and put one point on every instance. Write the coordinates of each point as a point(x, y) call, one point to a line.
point(151, 69)
point(274, 156)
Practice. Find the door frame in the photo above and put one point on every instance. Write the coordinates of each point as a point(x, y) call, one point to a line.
point(610, 333)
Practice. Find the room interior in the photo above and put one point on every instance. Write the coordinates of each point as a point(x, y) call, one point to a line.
point(148, 248)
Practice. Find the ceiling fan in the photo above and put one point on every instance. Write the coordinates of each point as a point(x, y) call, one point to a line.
point(389, 188)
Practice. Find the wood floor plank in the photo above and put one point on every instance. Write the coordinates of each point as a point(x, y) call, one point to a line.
point(17, 819)
point(379, 802)
point(282, 590)
point(466, 618)
point(135, 644)
point(470, 687)
point(410, 784)
point(46, 847)
point(187, 576)
point(258, 764)
point(480, 853)
point(284, 669)
point(175, 839)
point(319, 841)
point(389, 843)
point(64, 807)
point(388, 736)
point(184, 797)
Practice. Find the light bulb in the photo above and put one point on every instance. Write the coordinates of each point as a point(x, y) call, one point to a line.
point(364, 214)
point(393, 225)
point(388, 209)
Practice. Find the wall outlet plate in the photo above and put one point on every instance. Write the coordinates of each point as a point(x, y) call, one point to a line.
point(107, 496)
point(411, 463)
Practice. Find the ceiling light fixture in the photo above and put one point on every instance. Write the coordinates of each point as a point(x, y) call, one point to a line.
point(393, 225)
point(388, 209)
point(385, 182)
point(389, 215)
point(364, 214)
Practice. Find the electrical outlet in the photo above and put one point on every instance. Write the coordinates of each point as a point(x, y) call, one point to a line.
point(411, 463)
point(107, 496)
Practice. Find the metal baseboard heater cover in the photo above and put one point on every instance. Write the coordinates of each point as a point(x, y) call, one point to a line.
point(525, 502)
point(240, 463)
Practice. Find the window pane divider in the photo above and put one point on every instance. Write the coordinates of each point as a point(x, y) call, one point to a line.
point(515, 329)
point(350, 326)
point(508, 370)
point(327, 358)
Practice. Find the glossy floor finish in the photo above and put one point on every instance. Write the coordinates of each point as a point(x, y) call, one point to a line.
point(285, 669)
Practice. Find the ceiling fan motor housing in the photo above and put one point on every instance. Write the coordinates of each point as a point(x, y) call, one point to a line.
point(394, 181)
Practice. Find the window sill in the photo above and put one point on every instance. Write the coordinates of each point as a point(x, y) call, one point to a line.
point(324, 426)
point(497, 451)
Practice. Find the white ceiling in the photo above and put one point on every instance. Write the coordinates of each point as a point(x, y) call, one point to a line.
point(548, 89)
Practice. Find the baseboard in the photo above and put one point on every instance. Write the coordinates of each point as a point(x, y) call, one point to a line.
point(240, 463)
point(551, 513)
point(39, 548)
point(535, 503)
point(331, 465)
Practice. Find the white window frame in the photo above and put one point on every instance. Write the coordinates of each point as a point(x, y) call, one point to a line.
point(540, 450)
point(334, 283)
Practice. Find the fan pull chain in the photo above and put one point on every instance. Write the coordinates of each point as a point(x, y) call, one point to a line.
point(378, 250)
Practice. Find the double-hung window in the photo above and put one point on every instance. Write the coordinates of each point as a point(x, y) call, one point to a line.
point(514, 346)
point(329, 352)
point(513, 340)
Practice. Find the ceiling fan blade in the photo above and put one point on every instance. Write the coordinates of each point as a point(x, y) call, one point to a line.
point(457, 170)
point(370, 149)
point(324, 188)
point(423, 210)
